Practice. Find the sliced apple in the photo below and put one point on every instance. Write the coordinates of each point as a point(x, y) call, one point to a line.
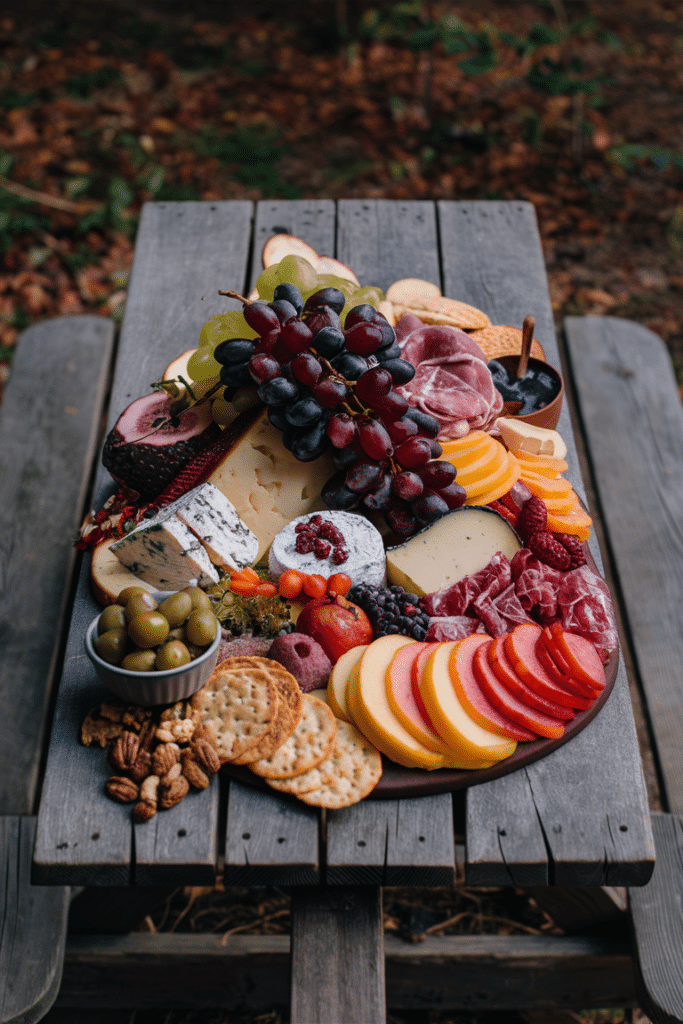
point(339, 679)
point(463, 735)
point(108, 576)
point(279, 246)
point(178, 368)
point(371, 712)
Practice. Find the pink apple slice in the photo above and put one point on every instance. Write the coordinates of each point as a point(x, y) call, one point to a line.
point(329, 265)
point(178, 368)
point(279, 246)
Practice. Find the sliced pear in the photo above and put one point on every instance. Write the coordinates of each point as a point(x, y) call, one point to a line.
point(178, 368)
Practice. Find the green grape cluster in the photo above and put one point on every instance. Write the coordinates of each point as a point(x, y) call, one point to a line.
point(298, 271)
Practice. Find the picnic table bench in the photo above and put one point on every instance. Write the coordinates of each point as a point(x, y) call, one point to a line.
point(578, 818)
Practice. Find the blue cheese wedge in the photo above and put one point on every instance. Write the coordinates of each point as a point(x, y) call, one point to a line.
point(363, 542)
point(213, 519)
point(165, 553)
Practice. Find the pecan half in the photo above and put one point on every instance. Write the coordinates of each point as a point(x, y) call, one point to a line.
point(193, 771)
point(164, 757)
point(121, 789)
point(206, 755)
point(100, 731)
point(124, 752)
point(173, 794)
point(142, 767)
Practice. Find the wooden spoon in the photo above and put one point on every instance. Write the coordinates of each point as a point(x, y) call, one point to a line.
point(527, 338)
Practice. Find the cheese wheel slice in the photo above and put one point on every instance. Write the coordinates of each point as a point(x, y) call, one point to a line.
point(371, 712)
point(338, 681)
point(450, 719)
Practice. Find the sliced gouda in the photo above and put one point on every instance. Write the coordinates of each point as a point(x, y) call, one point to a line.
point(338, 681)
point(371, 713)
point(455, 546)
point(265, 483)
point(450, 719)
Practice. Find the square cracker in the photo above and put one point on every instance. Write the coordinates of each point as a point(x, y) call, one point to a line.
point(309, 744)
point(241, 702)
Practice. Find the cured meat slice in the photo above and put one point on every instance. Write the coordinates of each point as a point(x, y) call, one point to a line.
point(502, 614)
point(537, 588)
point(452, 381)
point(584, 606)
point(453, 627)
point(457, 598)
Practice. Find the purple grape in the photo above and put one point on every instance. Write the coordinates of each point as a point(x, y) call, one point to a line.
point(400, 519)
point(304, 412)
point(374, 439)
point(400, 369)
point(392, 407)
point(344, 458)
point(363, 313)
point(332, 297)
point(336, 494)
point(284, 310)
point(320, 317)
point(380, 496)
point(306, 368)
point(310, 443)
point(390, 352)
point(363, 338)
point(278, 391)
point(374, 384)
point(263, 367)
point(261, 316)
point(429, 506)
point(413, 453)
point(233, 351)
point(428, 425)
point(437, 474)
point(328, 342)
point(296, 335)
point(363, 476)
point(350, 365)
point(330, 392)
point(290, 293)
point(400, 430)
point(341, 429)
point(407, 485)
point(454, 495)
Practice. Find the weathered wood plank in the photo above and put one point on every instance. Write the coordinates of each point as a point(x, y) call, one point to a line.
point(657, 926)
point(49, 424)
point(312, 220)
point(252, 972)
point(32, 929)
point(337, 956)
point(383, 240)
point(637, 456)
point(392, 842)
point(592, 835)
point(269, 840)
point(185, 253)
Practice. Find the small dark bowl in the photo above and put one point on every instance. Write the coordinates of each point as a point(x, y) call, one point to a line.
point(548, 415)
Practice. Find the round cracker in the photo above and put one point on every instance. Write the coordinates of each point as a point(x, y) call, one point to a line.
point(286, 683)
point(352, 770)
point(309, 744)
point(240, 702)
point(410, 290)
point(282, 728)
point(445, 311)
point(500, 340)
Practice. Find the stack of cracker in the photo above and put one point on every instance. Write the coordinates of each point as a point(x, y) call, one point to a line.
point(425, 301)
point(290, 739)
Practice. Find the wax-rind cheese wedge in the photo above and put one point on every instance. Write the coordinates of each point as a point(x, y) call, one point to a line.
point(339, 679)
point(369, 706)
point(537, 440)
point(450, 719)
point(458, 544)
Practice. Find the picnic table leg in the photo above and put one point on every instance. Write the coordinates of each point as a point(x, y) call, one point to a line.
point(337, 956)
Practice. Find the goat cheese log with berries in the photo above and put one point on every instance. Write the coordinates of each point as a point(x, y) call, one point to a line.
point(427, 574)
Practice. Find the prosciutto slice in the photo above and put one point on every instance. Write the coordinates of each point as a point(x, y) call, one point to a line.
point(537, 586)
point(453, 627)
point(585, 607)
point(457, 599)
point(502, 614)
point(452, 381)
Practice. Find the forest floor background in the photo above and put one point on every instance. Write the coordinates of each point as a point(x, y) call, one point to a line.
point(575, 106)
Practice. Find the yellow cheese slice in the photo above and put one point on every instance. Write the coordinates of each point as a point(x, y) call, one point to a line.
point(338, 681)
point(537, 440)
point(450, 719)
point(265, 483)
point(367, 700)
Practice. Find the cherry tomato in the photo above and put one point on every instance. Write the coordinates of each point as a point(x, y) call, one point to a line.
point(265, 589)
point(315, 585)
point(291, 583)
point(242, 586)
point(340, 583)
point(249, 574)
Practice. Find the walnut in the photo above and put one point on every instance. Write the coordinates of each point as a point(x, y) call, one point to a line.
point(174, 713)
point(142, 767)
point(147, 807)
point(100, 731)
point(122, 789)
point(135, 716)
point(173, 794)
point(193, 771)
point(124, 752)
point(206, 755)
point(164, 757)
point(179, 731)
point(112, 711)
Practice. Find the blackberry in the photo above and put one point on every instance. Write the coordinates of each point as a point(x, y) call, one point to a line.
point(391, 610)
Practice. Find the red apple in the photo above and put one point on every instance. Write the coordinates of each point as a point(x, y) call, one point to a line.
point(337, 624)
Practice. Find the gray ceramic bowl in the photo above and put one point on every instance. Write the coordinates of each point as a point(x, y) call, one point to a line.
point(149, 688)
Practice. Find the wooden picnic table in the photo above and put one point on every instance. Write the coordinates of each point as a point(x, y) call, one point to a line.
point(578, 817)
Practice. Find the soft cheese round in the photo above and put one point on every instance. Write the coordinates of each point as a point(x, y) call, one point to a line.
point(366, 561)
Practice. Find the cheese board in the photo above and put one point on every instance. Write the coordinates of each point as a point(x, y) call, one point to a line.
point(447, 530)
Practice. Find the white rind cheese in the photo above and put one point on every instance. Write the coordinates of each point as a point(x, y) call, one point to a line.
point(228, 541)
point(366, 561)
point(165, 553)
point(460, 543)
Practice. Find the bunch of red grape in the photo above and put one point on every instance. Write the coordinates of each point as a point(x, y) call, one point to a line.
point(328, 386)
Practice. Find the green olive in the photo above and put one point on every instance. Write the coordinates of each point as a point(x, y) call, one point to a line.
point(138, 603)
point(178, 633)
point(176, 608)
point(113, 617)
point(139, 661)
point(128, 592)
point(148, 629)
point(201, 628)
point(200, 600)
point(112, 646)
point(172, 655)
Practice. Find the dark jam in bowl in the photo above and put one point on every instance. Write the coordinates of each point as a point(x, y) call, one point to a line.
point(539, 386)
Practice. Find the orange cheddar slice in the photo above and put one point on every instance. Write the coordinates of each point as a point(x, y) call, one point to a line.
point(541, 463)
point(576, 521)
point(561, 506)
point(463, 444)
point(492, 487)
point(544, 487)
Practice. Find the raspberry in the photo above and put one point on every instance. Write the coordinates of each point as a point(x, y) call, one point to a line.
point(533, 517)
point(321, 548)
point(574, 546)
point(340, 555)
point(549, 550)
point(330, 532)
point(304, 544)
